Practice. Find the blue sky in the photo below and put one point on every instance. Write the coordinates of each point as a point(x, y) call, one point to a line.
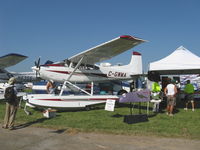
point(58, 29)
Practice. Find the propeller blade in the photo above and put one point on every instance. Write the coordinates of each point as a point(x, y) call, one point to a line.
point(38, 64)
point(37, 67)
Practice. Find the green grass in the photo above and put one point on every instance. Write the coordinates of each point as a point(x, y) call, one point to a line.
point(184, 124)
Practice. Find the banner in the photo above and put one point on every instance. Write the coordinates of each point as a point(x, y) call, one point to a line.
point(138, 96)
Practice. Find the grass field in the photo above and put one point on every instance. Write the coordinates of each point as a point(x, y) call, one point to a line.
point(184, 124)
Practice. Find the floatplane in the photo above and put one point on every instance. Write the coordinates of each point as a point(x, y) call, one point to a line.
point(82, 68)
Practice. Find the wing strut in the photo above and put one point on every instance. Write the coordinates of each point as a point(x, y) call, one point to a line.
point(75, 87)
point(67, 81)
point(79, 63)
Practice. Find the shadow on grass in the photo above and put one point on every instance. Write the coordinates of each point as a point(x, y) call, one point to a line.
point(59, 131)
point(31, 123)
point(117, 115)
point(84, 109)
point(152, 115)
point(120, 116)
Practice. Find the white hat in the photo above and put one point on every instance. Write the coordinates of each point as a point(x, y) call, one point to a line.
point(11, 80)
point(51, 81)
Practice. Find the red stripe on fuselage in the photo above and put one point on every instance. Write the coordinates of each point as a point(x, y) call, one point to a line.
point(54, 65)
point(87, 74)
point(63, 72)
point(89, 99)
point(99, 99)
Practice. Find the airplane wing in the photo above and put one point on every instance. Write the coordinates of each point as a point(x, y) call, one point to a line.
point(10, 60)
point(107, 50)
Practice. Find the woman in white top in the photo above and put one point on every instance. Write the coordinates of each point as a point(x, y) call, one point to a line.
point(170, 91)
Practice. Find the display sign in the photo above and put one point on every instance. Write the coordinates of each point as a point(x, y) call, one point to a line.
point(110, 105)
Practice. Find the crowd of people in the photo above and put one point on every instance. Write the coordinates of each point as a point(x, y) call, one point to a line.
point(170, 92)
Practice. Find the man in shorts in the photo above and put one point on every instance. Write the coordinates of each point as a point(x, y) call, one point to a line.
point(170, 91)
point(189, 95)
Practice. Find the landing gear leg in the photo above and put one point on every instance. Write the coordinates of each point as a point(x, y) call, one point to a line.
point(87, 108)
point(26, 111)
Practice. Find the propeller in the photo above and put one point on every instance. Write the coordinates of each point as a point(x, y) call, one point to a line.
point(37, 63)
point(37, 67)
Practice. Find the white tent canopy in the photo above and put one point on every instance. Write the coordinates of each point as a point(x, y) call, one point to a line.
point(181, 61)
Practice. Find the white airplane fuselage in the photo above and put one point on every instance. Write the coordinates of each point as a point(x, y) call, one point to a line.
point(21, 77)
point(60, 72)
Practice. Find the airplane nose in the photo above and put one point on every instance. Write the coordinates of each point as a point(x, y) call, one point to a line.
point(35, 68)
point(37, 71)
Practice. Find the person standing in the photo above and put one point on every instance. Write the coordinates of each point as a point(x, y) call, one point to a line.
point(189, 95)
point(11, 104)
point(170, 91)
point(155, 96)
point(51, 87)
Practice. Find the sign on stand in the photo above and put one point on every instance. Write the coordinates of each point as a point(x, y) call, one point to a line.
point(110, 105)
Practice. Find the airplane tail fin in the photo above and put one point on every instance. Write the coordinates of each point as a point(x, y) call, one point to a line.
point(136, 64)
